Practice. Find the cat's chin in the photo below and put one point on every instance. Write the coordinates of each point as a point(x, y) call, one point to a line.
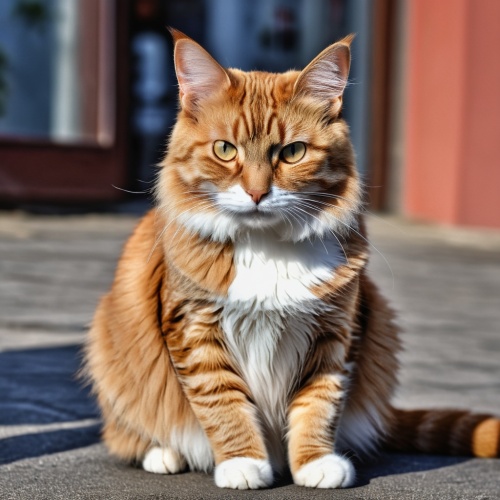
point(257, 219)
point(284, 230)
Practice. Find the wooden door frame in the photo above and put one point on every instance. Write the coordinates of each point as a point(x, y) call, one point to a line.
point(384, 17)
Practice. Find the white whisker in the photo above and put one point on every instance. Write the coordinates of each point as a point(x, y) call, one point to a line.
point(363, 207)
point(131, 192)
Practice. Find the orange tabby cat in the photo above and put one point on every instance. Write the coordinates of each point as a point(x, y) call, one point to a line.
point(242, 331)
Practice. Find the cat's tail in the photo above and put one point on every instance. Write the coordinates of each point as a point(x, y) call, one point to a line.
point(444, 432)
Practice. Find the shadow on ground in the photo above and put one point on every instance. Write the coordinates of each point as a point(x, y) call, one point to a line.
point(391, 464)
point(44, 443)
point(39, 387)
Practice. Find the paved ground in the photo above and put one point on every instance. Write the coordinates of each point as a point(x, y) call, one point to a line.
point(445, 283)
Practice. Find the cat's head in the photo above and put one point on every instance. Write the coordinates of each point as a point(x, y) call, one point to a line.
point(255, 150)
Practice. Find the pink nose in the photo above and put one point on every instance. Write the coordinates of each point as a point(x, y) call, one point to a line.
point(256, 195)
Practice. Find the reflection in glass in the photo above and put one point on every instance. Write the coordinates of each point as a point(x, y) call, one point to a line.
point(56, 72)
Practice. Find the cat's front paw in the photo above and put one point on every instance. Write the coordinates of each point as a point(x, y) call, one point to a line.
point(243, 473)
point(329, 471)
point(163, 461)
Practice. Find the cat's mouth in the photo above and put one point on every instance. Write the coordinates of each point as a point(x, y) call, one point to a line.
point(248, 210)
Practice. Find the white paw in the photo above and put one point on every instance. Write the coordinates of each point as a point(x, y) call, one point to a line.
point(243, 473)
point(330, 471)
point(163, 461)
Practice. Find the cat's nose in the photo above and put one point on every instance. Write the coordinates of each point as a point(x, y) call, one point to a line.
point(256, 194)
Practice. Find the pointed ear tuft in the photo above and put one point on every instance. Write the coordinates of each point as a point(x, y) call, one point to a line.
point(347, 40)
point(198, 73)
point(177, 35)
point(325, 78)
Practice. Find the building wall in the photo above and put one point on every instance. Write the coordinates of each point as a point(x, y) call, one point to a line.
point(452, 165)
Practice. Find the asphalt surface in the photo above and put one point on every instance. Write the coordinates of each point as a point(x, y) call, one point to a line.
point(444, 282)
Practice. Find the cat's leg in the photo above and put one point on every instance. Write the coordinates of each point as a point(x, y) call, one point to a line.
point(220, 400)
point(313, 418)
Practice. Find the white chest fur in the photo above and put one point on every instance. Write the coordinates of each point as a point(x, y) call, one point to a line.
point(275, 275)
point(269, 316)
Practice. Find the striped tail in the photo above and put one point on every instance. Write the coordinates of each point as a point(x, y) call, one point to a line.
point(445, 432)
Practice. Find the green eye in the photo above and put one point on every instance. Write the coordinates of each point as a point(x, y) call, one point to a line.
point(224, 150)
point(294, 152)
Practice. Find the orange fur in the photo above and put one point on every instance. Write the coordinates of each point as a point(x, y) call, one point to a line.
point(164, 353)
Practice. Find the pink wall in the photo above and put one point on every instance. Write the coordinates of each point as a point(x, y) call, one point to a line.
point(452, 168)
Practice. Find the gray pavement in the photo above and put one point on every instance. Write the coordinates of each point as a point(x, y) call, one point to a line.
point(445, 283)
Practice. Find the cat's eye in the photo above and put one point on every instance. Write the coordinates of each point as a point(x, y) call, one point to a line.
point(294, 152)
point(225, 150)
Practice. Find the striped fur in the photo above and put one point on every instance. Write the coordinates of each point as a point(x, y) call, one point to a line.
point(242, 332)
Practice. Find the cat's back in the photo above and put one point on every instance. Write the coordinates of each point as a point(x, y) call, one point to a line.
point(139, 271)
point(131, 300)
point(142, 254)
point(126, 316)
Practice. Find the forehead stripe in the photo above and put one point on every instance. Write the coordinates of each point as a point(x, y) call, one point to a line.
point(243, 117)
point(236, 128)
point(270, 121)
point(243, 96)
point(281, 131)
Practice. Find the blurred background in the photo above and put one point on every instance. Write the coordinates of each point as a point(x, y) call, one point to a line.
point(88, 94)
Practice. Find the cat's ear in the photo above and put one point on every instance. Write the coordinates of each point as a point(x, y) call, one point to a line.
point(198, 73)
point(325, 77)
